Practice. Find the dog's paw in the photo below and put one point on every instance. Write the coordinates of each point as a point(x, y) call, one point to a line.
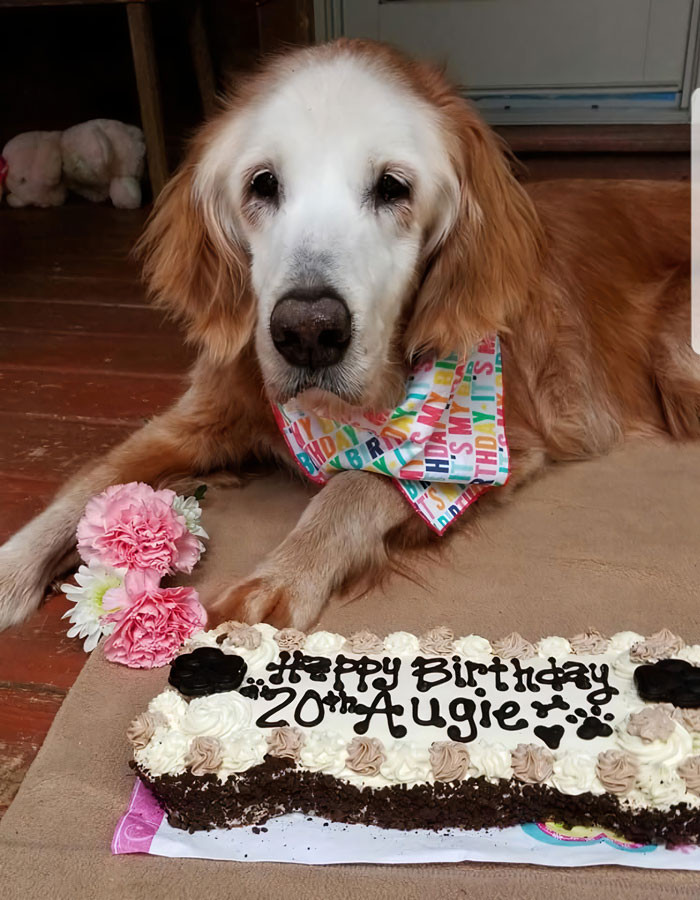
point(21, 592)
point(265, 598)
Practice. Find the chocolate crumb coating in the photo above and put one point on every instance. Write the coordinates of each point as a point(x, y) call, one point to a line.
point(276, 787)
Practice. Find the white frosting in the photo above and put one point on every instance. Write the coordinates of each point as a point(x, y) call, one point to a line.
point(401, 643)
point(490, 760)
point(324, 751)
point(218, 715)
point(165, 753)
point(458, 702)
point(553, 646)
point(661, 785)
point(259, 656)
point(171, 705)
point(690, 654)
point(407, 762)
point(622, 641)
point(267, 631)
point(323, 643)
point(242, 751)
point(575, 773)
point(473, 647)
point(199, 639)
point(671, 751)
point(624, 666)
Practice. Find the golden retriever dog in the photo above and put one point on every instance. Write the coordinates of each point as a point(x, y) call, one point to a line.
point(345, 213)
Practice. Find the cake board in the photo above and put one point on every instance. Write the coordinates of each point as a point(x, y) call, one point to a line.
point(612, 543)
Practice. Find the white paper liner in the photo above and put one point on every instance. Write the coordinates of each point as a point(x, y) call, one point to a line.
point(309, 840)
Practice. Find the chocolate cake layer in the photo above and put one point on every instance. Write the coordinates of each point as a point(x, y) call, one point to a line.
point(277, 786)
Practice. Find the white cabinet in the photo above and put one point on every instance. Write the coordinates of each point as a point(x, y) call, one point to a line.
point(543, 60)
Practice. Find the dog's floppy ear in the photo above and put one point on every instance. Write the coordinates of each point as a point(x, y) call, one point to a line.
point(477, 279)
point(196, 271)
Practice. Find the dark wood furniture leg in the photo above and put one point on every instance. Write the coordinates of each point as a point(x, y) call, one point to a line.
point(201, 60)
point(143, 51)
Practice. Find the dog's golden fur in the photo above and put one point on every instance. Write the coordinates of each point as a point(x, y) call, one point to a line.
point(587, 283)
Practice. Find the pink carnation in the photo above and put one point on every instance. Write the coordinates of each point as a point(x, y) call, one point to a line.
point(150, 627)
point(133, 526)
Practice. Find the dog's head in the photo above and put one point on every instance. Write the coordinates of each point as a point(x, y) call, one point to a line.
point(347, 211)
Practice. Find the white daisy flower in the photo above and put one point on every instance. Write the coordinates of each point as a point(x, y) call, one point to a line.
point(191, 511)
point(93, 582)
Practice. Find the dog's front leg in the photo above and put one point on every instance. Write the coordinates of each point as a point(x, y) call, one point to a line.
point(216, 424)
point(340, 537)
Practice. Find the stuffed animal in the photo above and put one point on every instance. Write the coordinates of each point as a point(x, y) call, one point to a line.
point(98, 159)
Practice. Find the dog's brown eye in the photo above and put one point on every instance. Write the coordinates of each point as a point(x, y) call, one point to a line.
point(390, 189)
point(265, 185)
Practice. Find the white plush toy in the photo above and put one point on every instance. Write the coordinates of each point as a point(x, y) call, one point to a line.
point(98, 159)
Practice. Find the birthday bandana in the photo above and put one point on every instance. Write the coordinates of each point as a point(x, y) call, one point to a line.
point(443, 445)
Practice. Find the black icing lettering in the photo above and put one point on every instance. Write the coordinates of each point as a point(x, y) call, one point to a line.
point(267, 693)
point(485, 720)
point(457, 669)
point(361, 667)
point(498, 668)
point(314, 697)
point(523, 677)
point(381, 706)
point(343, 666)
point(429, 673)
point(366, 666)
point(434, 717)
point(462, 709)
point(390, 667)
point(551, 676)
point(507, 711)
point(606, 692)
point(288, 664)
point(347, 703)
point(316, 667)
point(576, 673)
point(331, 700)
point(471, 666)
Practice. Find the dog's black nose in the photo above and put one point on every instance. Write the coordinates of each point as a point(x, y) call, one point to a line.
point(311, 329)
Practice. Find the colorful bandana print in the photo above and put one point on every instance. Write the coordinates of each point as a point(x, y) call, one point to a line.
point(444, 445)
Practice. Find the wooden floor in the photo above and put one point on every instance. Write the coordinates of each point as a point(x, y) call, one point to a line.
point(83, 361)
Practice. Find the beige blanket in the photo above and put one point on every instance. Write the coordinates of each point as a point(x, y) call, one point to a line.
point(614, 543)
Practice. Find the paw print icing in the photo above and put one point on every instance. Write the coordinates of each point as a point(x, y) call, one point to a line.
point(206, 670)
point(669, 681)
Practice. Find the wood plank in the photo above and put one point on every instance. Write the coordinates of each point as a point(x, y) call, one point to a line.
point(80, 263)
point(99, 227)
point(22, 499)
point(76, 394)
point(596, 138)
point(75, 353)
point(26, 713)
point(31, 448)
point(25, 718)
point(651, 166)
point(79, 317)
point(38, 653)
point(102, 289)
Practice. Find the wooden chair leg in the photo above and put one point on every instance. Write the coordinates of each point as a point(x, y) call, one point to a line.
point(143, 51)
point(201, 60)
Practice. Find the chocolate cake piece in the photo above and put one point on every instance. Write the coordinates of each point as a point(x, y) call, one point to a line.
point(428, 731)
